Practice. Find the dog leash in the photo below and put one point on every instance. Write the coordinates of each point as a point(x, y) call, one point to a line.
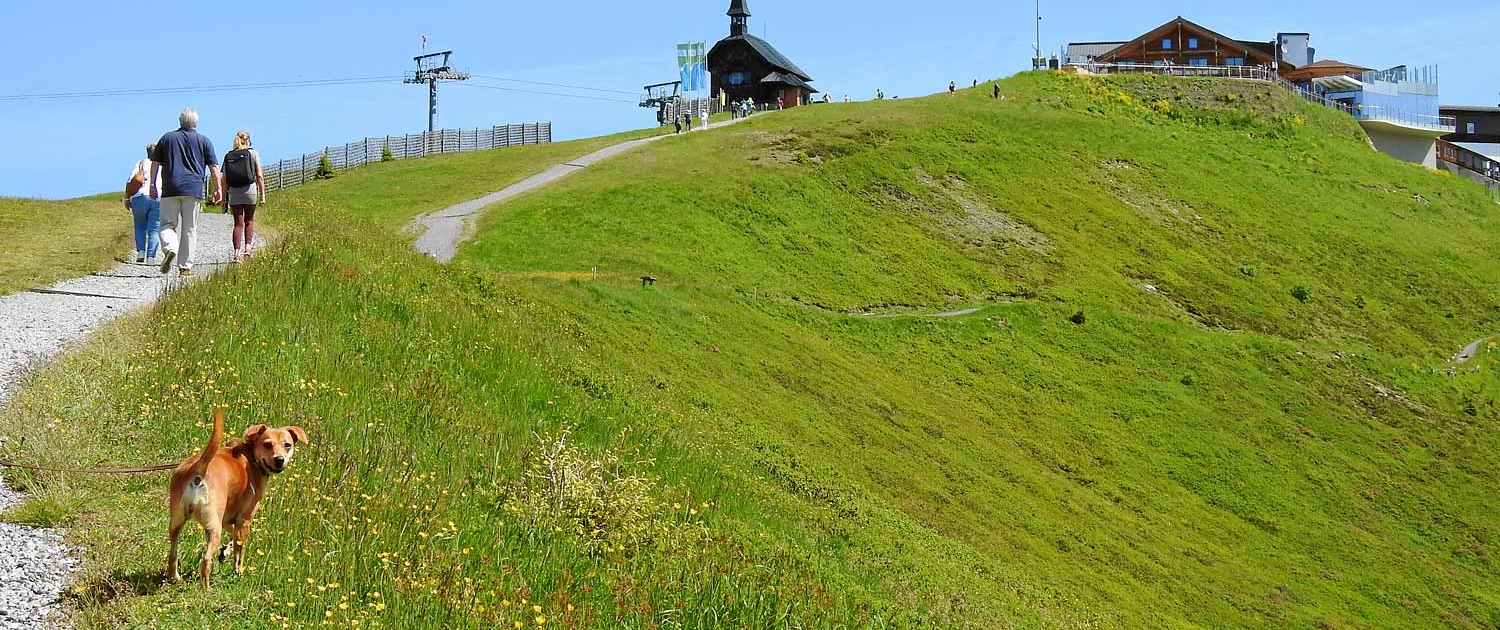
point(91, 471)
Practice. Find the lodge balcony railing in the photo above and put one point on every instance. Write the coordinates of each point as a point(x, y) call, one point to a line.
point(1268, 75)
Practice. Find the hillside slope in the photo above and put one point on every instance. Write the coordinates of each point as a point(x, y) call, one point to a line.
point(1216, 441)
point(1206, 384)
point(49, 241)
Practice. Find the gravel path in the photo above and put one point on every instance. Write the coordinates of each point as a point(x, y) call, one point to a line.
point(38, 324)
point(1469, 351)
point(442, 231)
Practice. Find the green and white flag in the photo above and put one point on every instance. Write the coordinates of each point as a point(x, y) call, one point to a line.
point(692, 66)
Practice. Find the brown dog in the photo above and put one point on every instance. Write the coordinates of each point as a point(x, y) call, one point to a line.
point(221, 487)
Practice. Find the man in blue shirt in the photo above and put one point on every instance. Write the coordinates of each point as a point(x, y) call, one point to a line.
point(179, 165)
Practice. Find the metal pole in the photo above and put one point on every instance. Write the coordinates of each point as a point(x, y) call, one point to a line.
point(1037, 47)
point(432, 105)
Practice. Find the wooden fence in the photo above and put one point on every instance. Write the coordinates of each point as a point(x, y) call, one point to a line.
point(288, 173)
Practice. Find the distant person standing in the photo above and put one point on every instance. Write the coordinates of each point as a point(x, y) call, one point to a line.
point(677, 120)
point(995, 94)
point(952, 88)
point(879, 94)
point(976, 83)
point(181, 161)
point(703, 116)
point(144, 207)
point(246, 183)
point(780, 104)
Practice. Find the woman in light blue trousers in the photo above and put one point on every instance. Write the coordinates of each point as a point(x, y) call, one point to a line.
point(145, 210)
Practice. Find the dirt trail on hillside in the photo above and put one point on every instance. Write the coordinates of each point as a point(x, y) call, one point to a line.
point(39, 324)
point(1469, 351)
point(442, 231)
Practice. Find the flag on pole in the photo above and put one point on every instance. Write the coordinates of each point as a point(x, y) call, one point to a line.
point(424, 42)
point(692, 66)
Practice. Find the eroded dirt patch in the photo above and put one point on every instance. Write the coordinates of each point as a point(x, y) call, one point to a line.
point(976, 222)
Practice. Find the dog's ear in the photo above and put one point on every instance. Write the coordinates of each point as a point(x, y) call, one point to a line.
point(254, 432)
point(298, 435)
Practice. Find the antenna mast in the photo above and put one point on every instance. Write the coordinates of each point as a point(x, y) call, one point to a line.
point(432, 68)
point(1037, 62)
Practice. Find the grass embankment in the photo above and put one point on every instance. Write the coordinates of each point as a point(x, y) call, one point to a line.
point(393, 193)
point(1207, 385)
point(47, 241)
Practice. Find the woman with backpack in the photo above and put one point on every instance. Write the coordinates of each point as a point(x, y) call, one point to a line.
point(246, 183)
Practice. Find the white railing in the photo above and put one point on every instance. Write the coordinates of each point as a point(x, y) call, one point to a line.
point(1406, 118)
point(1261, 73)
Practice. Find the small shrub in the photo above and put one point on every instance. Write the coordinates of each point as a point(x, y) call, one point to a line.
point(1161, 107)
point(385, 153)
point(594, 498)
point(1248, 270)
point(1302, 293)
point(325, 168)
point(1078, 318)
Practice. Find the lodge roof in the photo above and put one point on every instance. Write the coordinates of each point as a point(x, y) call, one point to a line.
point(1470, 109)
point(1266, 48)
point(767, 52)
point(738, 8)
point(789, 79)
point(1324, 68)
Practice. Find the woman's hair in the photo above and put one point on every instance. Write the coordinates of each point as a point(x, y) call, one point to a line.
point(151, 149)
point(241, 140)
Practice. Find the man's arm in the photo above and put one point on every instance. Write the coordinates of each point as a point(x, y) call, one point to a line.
point(155, 180)
point(213, 172)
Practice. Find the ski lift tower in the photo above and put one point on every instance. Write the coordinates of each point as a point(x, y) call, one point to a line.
point(666, 98)
point(432, 68)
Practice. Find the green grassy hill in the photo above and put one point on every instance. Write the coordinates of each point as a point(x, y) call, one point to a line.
point(1195, 374)
point(47, 241)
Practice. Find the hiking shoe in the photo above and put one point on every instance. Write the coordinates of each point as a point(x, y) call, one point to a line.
point(184, 273)
point(166, 260)
point(237, 259)
point(140, 257)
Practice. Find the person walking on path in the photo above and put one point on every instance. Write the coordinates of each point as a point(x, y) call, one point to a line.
point(246, 183)
point(703, 115)
point(178, 166)
point(144, 207)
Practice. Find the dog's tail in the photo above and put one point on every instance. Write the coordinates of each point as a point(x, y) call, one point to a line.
point(215, 439)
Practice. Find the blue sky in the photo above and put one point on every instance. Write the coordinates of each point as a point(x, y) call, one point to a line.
point(63, 148)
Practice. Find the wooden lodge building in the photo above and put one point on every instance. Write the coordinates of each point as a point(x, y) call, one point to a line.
point(745, 66)
point(1177, 43)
